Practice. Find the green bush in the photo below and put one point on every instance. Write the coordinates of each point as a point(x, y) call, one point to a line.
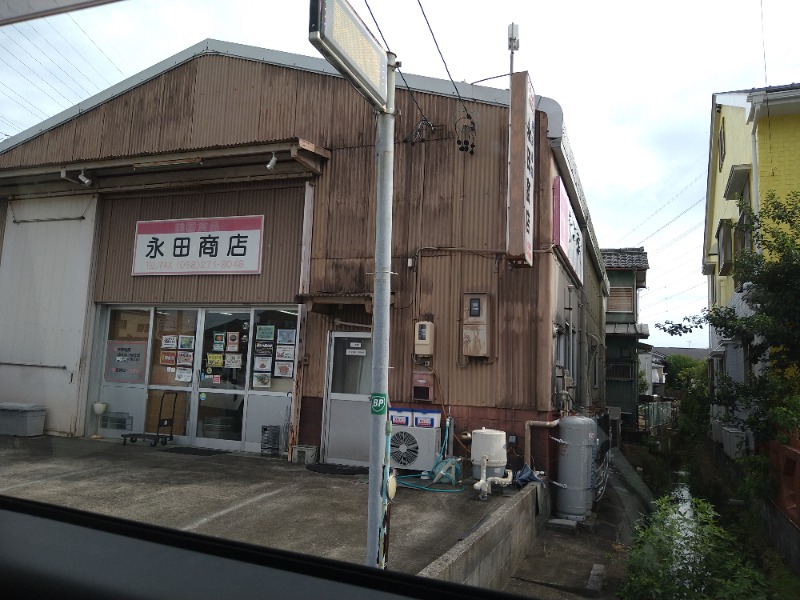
point(681, 553)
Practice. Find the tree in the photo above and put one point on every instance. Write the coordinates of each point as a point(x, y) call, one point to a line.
point(687, 378)
point(771, 290)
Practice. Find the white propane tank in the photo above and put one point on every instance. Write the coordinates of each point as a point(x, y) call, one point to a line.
point(492, 443)
point(576, 467)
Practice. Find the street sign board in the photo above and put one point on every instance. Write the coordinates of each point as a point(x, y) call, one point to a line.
point(342, 38)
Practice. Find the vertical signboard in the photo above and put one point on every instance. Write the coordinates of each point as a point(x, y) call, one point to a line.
point(567, 235)
point(522, 169)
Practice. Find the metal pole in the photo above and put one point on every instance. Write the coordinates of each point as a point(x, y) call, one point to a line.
point(384, 148)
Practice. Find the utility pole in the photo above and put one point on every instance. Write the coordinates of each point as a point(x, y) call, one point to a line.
point(379, 426)
point(340, 35)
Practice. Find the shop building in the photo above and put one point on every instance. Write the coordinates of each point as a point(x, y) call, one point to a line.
point(204, 231)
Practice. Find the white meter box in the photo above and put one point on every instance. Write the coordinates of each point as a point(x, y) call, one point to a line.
point(476, 328)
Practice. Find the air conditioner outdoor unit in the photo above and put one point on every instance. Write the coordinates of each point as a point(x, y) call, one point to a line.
point(414, 448)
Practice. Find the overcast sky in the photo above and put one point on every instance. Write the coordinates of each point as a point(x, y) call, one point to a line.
point(634, 78)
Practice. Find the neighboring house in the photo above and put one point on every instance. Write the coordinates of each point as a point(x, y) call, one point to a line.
point(627, 274)
point(754, 148)
point(206, 228)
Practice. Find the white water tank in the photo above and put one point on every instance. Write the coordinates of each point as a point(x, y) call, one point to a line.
point(578, 445)
point(492, 443)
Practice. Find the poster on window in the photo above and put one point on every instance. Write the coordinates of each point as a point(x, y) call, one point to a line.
point(284, 369)
point(218, 342)
point(168, 357)
point(186, 342)
point(284, 353)
point(233, 342)
point(286, 336)
point(262, 380)
point(263, 348)
point(169, 341)
point(185, 359)
point(125, 361)
point(214, 360)
point(233, 361)
point(265, 332)
point(262, 363)
point(183, 374)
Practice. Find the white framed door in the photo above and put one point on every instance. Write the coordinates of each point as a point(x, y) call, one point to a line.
point(221, 367)
point(346, 415)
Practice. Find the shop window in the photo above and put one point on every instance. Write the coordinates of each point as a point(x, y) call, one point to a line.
point(274, 350)
point(172, 361)
point(225, 349)
point(126, 347)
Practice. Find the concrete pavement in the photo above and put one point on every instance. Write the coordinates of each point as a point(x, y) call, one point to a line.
point(270, 502)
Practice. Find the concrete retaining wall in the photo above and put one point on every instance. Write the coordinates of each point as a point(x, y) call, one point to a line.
point(784, 534)
point(488, 556)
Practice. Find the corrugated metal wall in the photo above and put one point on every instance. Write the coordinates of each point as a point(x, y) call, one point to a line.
point(209, 101)
point(281, 251)
point(443, 198)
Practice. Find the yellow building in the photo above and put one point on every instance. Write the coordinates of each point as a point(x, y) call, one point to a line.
point(754, 147)
point(754, 150)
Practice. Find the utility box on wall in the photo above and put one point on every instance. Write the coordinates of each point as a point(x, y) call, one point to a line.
point(422, 387)
point(476, 325)
point(423, 338)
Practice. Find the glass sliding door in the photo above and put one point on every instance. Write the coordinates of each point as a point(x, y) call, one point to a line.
point(273, 365)
point(123, 383)
point(223, 364)
point(172, 368)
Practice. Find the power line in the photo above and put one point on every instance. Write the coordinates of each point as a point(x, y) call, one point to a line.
point(662, 300)
point(385, 43)
point(33, 84)
point(680, 237)
point(661, 228)
point(444, 62)
point(42, 65)
point(64, 56)
point(99, 48)
point(663, 206)
point(79, 53)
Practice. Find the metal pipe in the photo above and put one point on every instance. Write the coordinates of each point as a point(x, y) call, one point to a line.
point(528, 425)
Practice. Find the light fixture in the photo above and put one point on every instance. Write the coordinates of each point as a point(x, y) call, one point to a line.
point(272, 162)
point(84, 179)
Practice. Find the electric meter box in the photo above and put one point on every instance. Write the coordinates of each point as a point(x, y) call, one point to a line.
point(476, 325)
point(423, 338)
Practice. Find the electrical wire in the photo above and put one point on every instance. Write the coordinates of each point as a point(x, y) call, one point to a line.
point(663, 225)
point(42, 113)
point(444, 62)
point(665, 204)
point(662, 300)
point(61, 104)
point(64, 56)
point(65, 84)
point(113, 64)
point(403, 77)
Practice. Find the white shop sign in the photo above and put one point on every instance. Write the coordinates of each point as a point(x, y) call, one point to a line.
point(214, 246)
